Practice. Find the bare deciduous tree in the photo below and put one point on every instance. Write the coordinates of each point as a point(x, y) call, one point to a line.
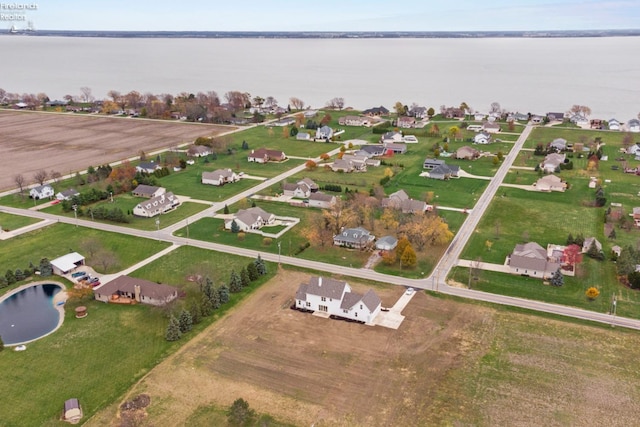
point(495, 107)
point(298, 104)
point(40, 176)
point(19, 180)
point(86, 94)
point(55, 175)
point(336, 103)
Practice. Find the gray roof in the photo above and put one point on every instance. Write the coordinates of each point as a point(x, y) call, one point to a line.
point(301, 293)
point(387, 240)
point(433, 163)
point(374, 150)
point(70, 193)
point(354, 235)
point(326, 287)
point(371, 300)
point(145, 189)
point(40, 188)
point(250, 216)
point(217, 174)
point(322, 197)
point(349, 300)
point(531, 256)
point(148, 165)
point(311, 183)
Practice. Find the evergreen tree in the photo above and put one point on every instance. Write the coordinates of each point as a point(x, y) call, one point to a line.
point(223, 293)
point(253, 203)
point(19, 275)
point(570, 239)
point(594, 252)
point(226, 210)
point(173, 330)
point(235, 282)
point(196, 315)
point(206, 306)
point(253, 271)
point(185, 321)
point(579, 240)
point(245, 146)
point(46, 269)
point(10, 277)
point(1, 344)
point(208, 289)
point(612, 235)
point(235, 228)
point(244, 277)
point(260, 266)
point(557, 279)
point(239, 414)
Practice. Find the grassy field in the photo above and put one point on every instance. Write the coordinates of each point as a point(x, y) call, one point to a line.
point(10, 222)
point(126, 202)
point(58, 239)
point(96, 359)
point(449, 363)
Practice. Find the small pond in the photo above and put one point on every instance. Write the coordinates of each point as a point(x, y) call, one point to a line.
point(29, 314)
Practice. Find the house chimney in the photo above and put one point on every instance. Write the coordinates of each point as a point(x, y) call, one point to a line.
point(320, 282)
point(136, 290)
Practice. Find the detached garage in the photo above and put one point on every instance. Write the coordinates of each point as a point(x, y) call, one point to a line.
point(67, 263)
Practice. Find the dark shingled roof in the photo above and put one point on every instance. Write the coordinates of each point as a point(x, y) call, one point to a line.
point(326, 287)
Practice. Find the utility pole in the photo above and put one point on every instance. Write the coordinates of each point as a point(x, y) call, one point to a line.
point(279, 244)
point(75, 213)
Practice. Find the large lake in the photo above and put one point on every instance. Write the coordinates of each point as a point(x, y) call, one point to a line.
point(524, 74)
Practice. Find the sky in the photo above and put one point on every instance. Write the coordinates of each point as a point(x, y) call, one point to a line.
point(324, 15)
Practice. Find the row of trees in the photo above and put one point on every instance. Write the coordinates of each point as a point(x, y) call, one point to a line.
point(12, 276)
point(212, 298)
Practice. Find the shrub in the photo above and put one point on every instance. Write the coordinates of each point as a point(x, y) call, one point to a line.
point(592, 293)
point(267, 241)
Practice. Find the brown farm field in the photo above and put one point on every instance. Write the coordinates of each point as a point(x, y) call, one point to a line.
point(449, 363)
point(66, 143)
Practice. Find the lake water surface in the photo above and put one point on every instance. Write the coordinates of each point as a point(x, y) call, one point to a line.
point(525, 74)
point(29, 314)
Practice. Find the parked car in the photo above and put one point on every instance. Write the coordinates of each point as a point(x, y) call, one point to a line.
point(94, 280)
point(78, 274)
point(410, 291)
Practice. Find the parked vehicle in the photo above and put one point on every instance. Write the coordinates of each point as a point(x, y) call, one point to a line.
point(78, 274)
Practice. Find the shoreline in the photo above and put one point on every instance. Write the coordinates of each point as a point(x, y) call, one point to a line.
point(60, 296)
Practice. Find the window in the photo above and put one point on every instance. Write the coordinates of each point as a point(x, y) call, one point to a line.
point(323, 299)
point(345, 311)
point(308, 304)
point(360, 306)
point(356, 314)
point(323, 308)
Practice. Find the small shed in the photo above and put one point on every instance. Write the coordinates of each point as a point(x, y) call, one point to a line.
point(72, 410)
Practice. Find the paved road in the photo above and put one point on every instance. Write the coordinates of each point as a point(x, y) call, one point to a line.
point(436, 281)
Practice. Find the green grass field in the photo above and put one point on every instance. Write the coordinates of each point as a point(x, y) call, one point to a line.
point(58, 239)
point(98, 358)
point(10, 222)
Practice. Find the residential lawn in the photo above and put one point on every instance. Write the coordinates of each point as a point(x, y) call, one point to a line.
point(127, 202)
point(544, 135)
point(572, 293)
point(9, 222)
point(58, 239)
point(212, 230)
point(98, 358)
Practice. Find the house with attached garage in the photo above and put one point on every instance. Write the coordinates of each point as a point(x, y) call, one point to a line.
point(335, 298)
point(467, 153)
point(300, 189)
point(148, 167)
point(148, 191)
point(400, 200)
point(491, 127)
point(355, 238)
point(558, 145)
point(550, 183)
point(41, 192)
point(220, 177)
point(371, 151)
point(406, 122)
point(67, 194)
point(552, 162)
point(324, 133)
point(250, 219)
point(396, 148)
point(443, 172)
point(376, 112)
point(482, 138)
point(530, 259)
point(418, 112)
point(432, 163)
point(391, 137)
point(134, 289)
point(613, 124)
point(264, 155)
point(321, 200)
point(633, 125)
point(198, 151)
point(156, 205)
point(354, 121)
point(303, 136)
